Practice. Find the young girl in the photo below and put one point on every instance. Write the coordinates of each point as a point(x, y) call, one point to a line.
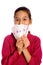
point(27, 49)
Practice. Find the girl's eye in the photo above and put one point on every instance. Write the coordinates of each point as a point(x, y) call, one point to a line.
point(17, 19)
point(25, 19)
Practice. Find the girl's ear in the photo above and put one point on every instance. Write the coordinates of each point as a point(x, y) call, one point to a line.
point(30, 22)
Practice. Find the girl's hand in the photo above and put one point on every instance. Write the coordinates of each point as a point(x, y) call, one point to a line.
point(22, 42)
point(19, 45)
point(25, 41)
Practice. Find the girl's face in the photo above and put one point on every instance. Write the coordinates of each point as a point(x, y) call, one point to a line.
point(21, 17)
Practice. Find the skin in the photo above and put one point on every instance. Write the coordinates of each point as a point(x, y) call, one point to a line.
point(22, 43)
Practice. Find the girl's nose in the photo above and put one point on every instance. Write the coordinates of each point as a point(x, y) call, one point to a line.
point(20, 22)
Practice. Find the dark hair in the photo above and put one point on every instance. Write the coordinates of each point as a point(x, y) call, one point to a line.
point(24, 9)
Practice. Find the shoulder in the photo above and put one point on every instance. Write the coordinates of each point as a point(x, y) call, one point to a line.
point(9, 37)
point(34, 38)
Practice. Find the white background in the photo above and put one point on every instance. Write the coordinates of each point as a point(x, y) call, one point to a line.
point(7, 8)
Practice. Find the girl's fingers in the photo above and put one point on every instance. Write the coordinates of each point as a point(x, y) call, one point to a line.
point(18, 40)
point(19, 44)
point(23, 38)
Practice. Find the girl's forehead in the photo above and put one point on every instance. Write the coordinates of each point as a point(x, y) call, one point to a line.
point(21, 13)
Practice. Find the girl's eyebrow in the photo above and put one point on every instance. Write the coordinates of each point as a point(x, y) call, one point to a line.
point(26, 16)
point(16, 17)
